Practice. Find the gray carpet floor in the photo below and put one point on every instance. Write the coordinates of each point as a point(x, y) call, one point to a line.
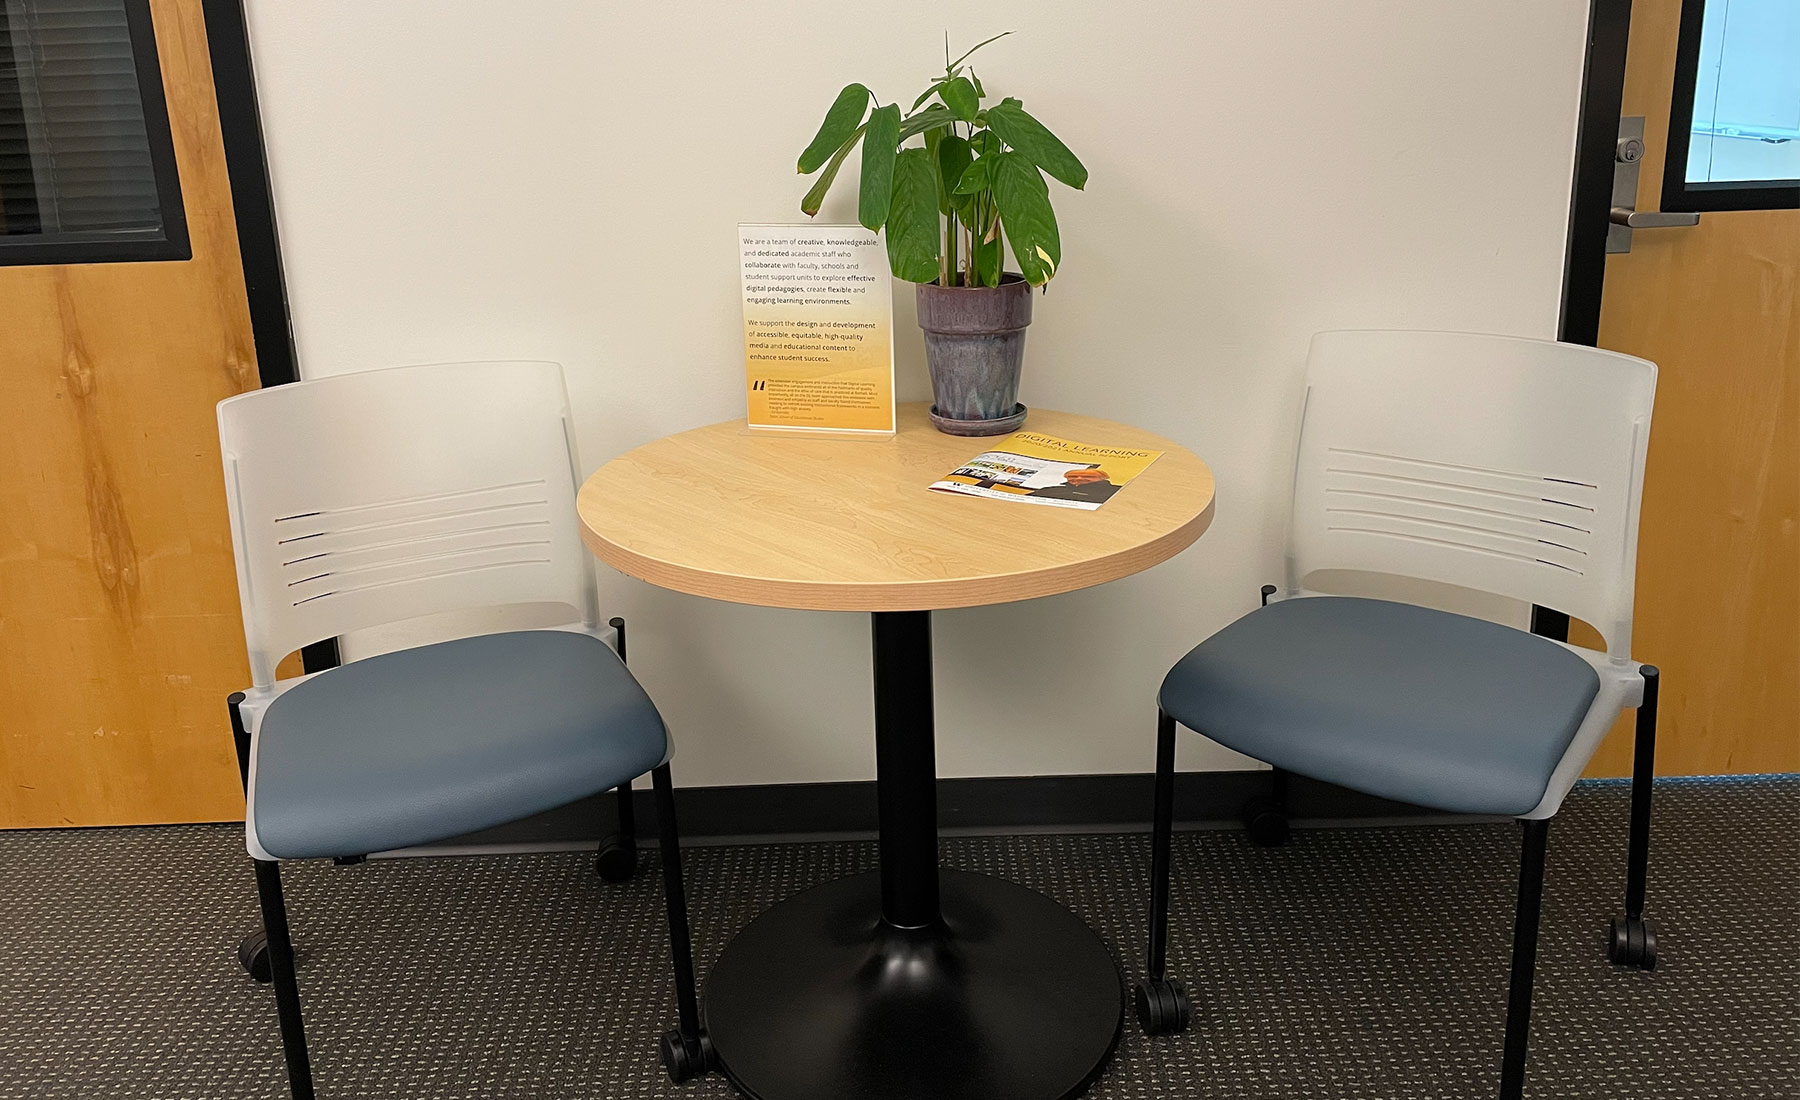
point(1367, 962)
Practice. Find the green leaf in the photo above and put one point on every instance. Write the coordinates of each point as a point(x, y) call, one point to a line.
point(845, 114)
point(985, 142)
point(1041, 147)
point(929, 119)
point(976, 178)
point(933, 139)
point(880, 139)
point(977, 46)
point(979, 92)
point(953, 157)
point(987, 260)
point(1024, 201)
point(959, 95)
point(815, 196)
point(928, 92)
point(912, 222)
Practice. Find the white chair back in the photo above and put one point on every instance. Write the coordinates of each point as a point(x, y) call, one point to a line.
point(1501, 464)
point(380, 496)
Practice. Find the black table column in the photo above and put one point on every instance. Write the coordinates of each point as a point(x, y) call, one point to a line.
point(913, 983)
point(906, 768)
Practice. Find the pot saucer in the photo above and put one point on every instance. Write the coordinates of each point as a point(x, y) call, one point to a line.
point(997, 426)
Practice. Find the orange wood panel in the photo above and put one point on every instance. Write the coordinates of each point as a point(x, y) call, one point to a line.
point(118, 606)
point(1717, 307)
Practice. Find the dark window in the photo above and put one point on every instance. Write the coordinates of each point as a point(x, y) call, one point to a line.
point(87, 168)
point(1734, 121)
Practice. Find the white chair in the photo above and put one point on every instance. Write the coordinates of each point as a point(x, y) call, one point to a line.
point(1491, 463)
point(393, 495)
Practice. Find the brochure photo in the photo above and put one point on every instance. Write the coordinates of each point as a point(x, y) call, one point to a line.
point(1042, 469)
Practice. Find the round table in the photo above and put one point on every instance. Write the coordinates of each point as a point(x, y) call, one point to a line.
point(911, 983)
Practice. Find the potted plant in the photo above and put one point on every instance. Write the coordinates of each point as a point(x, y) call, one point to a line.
point(951, 204)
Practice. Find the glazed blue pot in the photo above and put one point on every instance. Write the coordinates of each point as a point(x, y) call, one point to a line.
point(975, 347)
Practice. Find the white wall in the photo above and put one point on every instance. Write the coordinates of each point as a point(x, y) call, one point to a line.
point(461, 179)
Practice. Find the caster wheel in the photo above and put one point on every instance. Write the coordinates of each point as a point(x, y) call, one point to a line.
point(617, 860)
point(1162, 1006)
point(1632, 942)
point(686, 1058)
point(253, 955)
point(1265, 822)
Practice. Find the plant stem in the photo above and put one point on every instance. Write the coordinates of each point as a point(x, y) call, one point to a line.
point(947, 276)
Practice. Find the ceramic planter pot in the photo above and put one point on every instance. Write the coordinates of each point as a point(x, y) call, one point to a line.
point(975, 347)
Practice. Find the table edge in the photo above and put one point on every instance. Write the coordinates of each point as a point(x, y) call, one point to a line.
point(924, 594)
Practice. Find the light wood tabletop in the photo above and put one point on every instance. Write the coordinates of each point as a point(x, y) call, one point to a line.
point(849, 525)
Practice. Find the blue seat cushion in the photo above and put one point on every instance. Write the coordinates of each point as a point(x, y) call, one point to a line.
point(423, 744)
point(1399, 701)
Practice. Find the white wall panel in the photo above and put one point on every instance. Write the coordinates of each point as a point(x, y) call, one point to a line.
point(462, 179)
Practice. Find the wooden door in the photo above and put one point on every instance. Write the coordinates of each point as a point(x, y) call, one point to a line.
point(119, 627)
point(1717, 307)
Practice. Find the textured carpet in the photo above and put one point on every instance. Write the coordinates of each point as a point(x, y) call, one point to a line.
point(1352, 963)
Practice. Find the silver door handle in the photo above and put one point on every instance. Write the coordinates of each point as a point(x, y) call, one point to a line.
point(1650, 219)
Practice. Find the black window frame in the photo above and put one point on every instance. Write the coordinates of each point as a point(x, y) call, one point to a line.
point(1678, 193)
point(170, 241)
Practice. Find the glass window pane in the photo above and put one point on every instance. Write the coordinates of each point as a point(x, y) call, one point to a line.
point(1747, 93)
point(75, 149)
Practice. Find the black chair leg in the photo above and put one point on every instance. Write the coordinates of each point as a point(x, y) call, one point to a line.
point(1524, 957)
point(1162, 1003)
point(268, 953)
point(1631, 940)
point(1265, 816)
point(287, 990)
point(253, 949)
point(616, 860)
point(686, 1051)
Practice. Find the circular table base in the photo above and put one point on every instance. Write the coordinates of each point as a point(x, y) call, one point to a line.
point(1012, 997)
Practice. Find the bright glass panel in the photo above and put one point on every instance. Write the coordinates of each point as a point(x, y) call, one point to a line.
point(1747, 93)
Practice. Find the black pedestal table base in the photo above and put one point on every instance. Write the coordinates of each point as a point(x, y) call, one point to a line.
point(913, 984)
point(1011, 997)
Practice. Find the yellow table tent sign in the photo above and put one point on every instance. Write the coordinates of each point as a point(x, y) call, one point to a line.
point(818, 329)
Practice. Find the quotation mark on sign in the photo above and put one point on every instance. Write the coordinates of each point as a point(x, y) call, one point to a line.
point(760, 384)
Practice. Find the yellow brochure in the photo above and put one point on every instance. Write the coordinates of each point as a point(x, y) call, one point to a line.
point(1042, 469)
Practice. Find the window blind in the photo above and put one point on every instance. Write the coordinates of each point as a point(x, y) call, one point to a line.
point(74, 152)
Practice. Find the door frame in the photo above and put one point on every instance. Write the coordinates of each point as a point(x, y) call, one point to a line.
point(1596, 146)
point(252, 202)
point(253, 207)
point(1590, 202)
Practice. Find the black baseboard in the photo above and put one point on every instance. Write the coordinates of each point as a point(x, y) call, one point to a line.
point(1051, 803)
